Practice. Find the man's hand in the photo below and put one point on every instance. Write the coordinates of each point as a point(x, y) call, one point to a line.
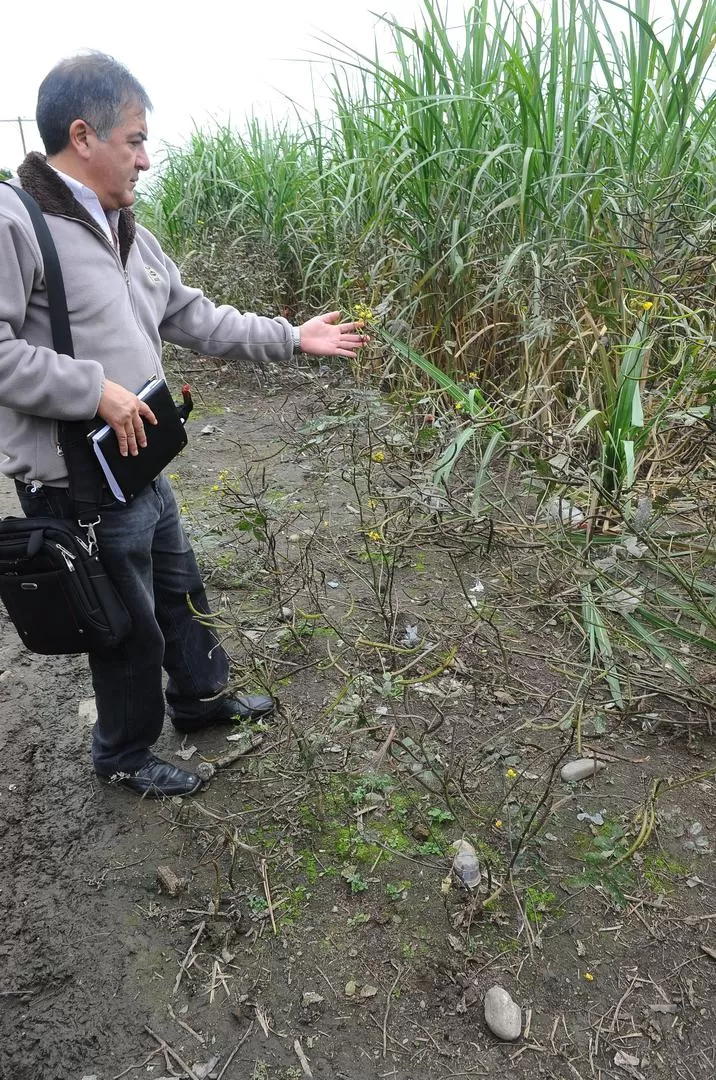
point(325, 336)
point(124, 412)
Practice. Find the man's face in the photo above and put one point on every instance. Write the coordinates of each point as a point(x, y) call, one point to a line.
point(113, 166)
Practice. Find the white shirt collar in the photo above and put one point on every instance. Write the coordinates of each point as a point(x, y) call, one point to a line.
point(87, 198)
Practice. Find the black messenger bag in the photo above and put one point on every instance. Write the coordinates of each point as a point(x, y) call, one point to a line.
point(52, 582)
point(55, 588)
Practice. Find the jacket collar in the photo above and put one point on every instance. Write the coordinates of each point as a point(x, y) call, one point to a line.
point(54, 197)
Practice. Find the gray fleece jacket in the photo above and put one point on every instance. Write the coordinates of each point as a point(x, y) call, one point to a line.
point(121, 306)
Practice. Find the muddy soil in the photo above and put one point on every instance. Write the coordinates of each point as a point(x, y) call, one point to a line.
point(315, 928)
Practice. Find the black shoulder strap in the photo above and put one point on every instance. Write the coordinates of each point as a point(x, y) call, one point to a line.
point(85, 477)
point(56, 299)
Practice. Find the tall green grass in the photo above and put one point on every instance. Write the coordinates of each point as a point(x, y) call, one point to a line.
point(510, 191)
point(528, 199)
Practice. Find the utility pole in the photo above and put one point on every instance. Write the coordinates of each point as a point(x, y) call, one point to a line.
point(20, 120)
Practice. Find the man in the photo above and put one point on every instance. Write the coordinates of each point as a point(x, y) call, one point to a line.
point(124, 297)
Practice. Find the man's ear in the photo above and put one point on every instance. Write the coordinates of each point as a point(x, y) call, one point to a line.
point(80, 135)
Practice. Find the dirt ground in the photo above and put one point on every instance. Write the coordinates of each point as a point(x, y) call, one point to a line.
point(315, 928)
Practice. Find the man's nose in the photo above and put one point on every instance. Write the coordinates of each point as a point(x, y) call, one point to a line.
point(142, 160)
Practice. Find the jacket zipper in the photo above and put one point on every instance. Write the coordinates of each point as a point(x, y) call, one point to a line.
point(125, 274)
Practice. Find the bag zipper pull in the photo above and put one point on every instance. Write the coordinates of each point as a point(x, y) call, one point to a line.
point(67, 556)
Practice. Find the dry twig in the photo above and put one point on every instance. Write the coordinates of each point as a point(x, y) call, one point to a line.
point(387, 1010)
point(172, 1053)
point(302, 1058)
point(186, 962)
point(236, 1049)
point(267, 893)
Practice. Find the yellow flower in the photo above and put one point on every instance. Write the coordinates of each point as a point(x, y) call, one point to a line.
point(588, 976)
point(511, 774)
point(375, 536)
point(472, 375)
point(372, 504)
point(647, 305)
point(363, 313)
point(498, 824)
point(215, 487)
point(458, 405)
point(378, 455)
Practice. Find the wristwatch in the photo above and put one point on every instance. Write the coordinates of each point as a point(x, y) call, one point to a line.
point(296, 331)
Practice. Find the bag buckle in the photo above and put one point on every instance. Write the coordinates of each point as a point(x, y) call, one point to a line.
point(92, 545)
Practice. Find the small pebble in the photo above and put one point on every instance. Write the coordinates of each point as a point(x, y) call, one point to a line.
point(580, 769)
point(502, 1015)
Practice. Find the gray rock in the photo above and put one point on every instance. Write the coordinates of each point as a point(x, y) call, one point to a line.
point(205, 770)
point(87, 711)
point(502, 1015)
point(580, 769)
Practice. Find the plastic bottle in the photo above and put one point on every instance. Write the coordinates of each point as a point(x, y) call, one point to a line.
point(465, 865)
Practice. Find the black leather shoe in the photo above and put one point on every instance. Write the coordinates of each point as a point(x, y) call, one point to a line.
point(157, 778)
point(227, 710)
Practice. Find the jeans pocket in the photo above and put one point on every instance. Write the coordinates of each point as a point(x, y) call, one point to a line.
point(43, 501)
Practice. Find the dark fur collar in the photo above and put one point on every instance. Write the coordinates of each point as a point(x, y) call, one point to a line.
point(54, 197)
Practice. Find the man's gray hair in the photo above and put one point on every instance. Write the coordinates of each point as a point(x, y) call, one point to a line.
point(92, 87)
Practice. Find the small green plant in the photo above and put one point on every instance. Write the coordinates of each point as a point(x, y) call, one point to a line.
point(432, 847)
point(377, 783)
point(538, 904)
point(360, 919)
point(398, 891)
point(256, 904)
point(356, 882)
point(598, 851)
point(440, 817)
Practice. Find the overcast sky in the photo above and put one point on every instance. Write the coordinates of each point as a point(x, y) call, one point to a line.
point(220, 58)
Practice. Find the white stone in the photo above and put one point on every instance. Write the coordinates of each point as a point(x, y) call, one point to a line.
point(580, 769)
point(502, 1015)
point(87, 711)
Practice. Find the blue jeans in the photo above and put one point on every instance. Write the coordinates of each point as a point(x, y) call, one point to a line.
point(145, 551)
